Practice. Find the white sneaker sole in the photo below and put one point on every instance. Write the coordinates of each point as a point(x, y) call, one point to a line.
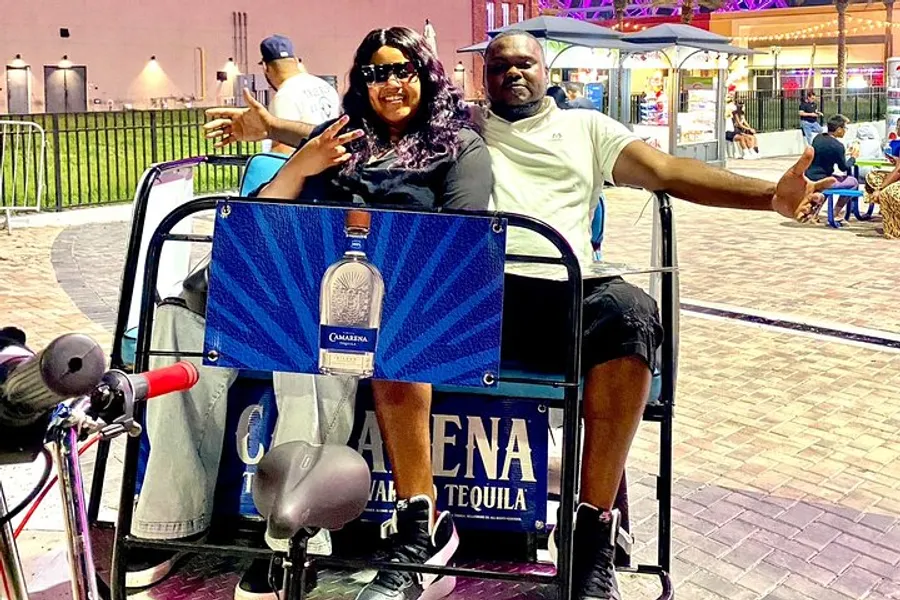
point(241, 594)
point(441, 588)
point(153, 575)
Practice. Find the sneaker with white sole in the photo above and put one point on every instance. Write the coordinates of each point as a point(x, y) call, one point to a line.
point(594, 553)
point(257, 582)
point(319, 544)
point(148, 567)
point(416, 536)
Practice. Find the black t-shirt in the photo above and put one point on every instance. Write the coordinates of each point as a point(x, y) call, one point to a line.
point(809, 107)
point(830, 153)
point(461, 183)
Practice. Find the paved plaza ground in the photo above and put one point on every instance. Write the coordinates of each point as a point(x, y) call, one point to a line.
point(787, 445)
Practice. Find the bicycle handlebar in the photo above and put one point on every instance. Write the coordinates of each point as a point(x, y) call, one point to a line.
point(174, 378)
point(72, 366)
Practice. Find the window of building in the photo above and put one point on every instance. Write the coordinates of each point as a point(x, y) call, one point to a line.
point(504, 13)
point(520, 13)
point(491, 23)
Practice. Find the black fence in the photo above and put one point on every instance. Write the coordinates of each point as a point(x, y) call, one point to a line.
point(776, 110)
point(98, 157)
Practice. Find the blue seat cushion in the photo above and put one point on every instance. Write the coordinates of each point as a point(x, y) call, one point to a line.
point(260, 170)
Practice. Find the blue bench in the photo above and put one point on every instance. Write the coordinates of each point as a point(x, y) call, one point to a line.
point(852, 205)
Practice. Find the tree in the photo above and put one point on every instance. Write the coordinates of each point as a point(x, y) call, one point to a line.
point(888, 34)
point(619, 7)
point(687, 8)
point(841, 81)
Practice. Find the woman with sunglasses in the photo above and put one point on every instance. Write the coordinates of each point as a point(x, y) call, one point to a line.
point(405, 139)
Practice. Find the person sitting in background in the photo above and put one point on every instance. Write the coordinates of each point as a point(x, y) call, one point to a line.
point(830, 154)
point(559, 96)
point(883, 188)
point(747, 133)
point(743, 142)
point(575, 95)
point(866, 146)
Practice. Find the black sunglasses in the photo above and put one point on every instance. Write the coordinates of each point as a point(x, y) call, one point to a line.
point(380, 74)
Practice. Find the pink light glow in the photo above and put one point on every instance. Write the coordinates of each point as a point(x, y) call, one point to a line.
point(603, 9)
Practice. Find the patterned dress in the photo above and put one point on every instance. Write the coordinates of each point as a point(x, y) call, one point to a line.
point(889, 202)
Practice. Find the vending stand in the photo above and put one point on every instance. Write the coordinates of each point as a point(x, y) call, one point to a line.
point(571, 44)
point(683, 108)
point(892, 81)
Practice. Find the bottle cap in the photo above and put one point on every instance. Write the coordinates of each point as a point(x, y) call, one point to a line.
point(358, 219)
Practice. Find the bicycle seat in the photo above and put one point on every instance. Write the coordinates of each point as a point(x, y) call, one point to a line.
point(299, 486)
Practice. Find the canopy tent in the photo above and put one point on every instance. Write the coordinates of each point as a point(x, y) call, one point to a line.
point(565, 31)
point(567, 34)
point(670, 35)
point(678, 44)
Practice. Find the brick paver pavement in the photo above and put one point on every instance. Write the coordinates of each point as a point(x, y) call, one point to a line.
point(30, 293)
point(787, 458)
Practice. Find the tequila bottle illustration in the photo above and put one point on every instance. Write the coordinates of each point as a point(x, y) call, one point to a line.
point(350, 306)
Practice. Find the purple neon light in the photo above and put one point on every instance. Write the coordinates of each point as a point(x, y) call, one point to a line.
point(603, 9)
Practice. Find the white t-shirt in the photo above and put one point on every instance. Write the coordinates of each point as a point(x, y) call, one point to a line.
point(305, 98)
point(552, 167)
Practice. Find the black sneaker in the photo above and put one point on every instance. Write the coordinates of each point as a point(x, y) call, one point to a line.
point(256, 582)
point(594, 570)
point(148, 567)
point(415, 537)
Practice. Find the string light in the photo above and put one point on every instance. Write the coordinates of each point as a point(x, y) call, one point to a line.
point(627, 26)
point(822, 30)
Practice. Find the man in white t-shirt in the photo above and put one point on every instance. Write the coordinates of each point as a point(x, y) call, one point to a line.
point(299, 96)
point(552, 164)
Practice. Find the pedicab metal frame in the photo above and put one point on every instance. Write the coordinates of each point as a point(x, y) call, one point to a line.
point(661, 411)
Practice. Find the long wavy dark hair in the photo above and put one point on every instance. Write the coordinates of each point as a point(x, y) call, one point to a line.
point(433, 131)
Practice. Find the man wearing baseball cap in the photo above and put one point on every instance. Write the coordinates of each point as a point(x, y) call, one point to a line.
point(299, 96)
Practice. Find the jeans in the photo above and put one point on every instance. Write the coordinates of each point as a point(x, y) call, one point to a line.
point(186, 429)
point(810, 130)
point(845, 183)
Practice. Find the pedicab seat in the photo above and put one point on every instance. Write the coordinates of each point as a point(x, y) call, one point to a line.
point(520, 389)
point(300, 486)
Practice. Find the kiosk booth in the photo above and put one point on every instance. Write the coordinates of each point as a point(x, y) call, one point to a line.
point(682, 72)
point(592, 50)
point(892, 82)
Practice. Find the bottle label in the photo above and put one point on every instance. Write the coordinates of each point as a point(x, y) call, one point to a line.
point(356, 244)
point(352, 339)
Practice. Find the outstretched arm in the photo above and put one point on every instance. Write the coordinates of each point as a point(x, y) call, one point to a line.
point(793, 196)
point(253, 124)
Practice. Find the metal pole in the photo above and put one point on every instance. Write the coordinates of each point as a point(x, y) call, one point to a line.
point(71, 486)
point(10, 563)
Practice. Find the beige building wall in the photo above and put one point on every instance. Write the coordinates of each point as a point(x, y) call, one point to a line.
point(115, 40)
point(865, 47)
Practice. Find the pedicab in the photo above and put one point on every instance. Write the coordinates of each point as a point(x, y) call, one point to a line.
point(501, 486)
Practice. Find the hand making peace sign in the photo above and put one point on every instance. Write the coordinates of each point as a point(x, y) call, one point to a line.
point(326, 150)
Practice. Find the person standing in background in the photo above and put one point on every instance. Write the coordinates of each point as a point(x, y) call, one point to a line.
point(430, 36)
point(299, 96)
point(809, 118)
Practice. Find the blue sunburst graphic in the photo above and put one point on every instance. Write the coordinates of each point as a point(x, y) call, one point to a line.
point(443, 275)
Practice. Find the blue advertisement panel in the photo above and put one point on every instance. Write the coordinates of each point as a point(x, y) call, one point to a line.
point(391, 295)
point(489, 458)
